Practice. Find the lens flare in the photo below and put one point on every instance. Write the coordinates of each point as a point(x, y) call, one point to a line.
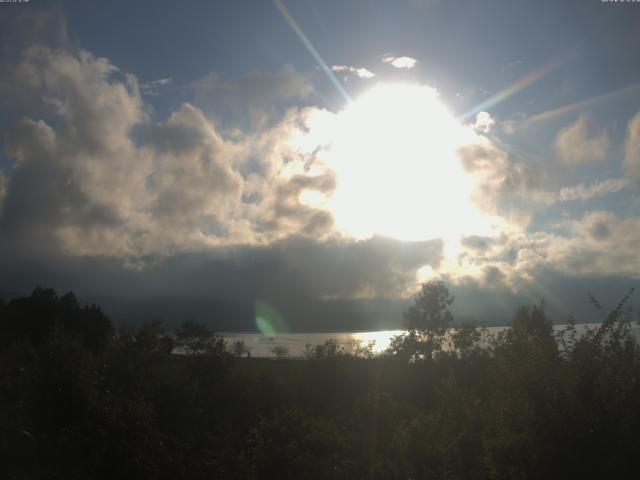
point(582, 104)
point(269, 321)
point(520, 84)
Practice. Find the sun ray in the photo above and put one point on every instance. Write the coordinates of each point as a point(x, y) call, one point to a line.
point(579, 105)
point(311, 49)
point(520, 84)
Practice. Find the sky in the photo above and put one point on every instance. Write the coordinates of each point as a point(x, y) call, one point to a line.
point(322, 158)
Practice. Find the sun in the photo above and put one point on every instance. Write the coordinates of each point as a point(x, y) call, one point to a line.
point(393, 151)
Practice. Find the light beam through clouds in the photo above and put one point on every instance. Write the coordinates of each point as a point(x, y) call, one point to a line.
point(312, 50)
point(582, 104)
point(517, 86)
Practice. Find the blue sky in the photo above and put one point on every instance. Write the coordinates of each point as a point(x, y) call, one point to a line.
point(464, 46)
point(155, 136)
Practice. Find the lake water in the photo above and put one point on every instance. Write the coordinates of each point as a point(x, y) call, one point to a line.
point(296, 343)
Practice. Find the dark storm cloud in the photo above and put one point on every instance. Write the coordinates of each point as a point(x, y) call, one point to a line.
point(563, 294)
point(311, 283)
point(302, 267)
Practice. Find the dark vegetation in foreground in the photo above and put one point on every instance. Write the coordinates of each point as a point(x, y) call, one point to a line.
point(80, 400)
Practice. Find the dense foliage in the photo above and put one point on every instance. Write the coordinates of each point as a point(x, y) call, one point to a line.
point(79, 400)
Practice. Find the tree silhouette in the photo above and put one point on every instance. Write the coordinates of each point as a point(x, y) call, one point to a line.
point(426, 321)
point(519, 405)
point(33, 319)
point(196, 338)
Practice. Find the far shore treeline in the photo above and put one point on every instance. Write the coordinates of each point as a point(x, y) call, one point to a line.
point(82, 399)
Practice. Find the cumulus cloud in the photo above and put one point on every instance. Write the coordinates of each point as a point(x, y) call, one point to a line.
point(400, 62)
point(505, 185)
point(152, 88)
point(484, 122)
point(358, 71)
point(82, 167)
point(632, 148)
point(598, 244)
point(194, 186)
point(606, 244)
point(514, 188)
point(81, 184)
point(596, 189)
point(575, 145)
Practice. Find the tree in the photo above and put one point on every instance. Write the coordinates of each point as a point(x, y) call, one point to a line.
point(196, 339)
point(239, 349)
point(430, 311)
point(280, 351)
point(532, 322)
point(426, 321)
point(33, 318)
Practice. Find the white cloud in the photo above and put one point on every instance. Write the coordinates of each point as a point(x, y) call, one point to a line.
point(358, 71)
point(574, 145)
point(81, 184)
point(152, 88)
point(598, 244)
point(400, 62)
point(606, 244)
point(596, 189)
point(632, 148)
point(504, 185)
point(484, 122)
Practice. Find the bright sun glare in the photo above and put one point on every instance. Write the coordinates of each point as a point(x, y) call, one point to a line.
point(394, 153)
